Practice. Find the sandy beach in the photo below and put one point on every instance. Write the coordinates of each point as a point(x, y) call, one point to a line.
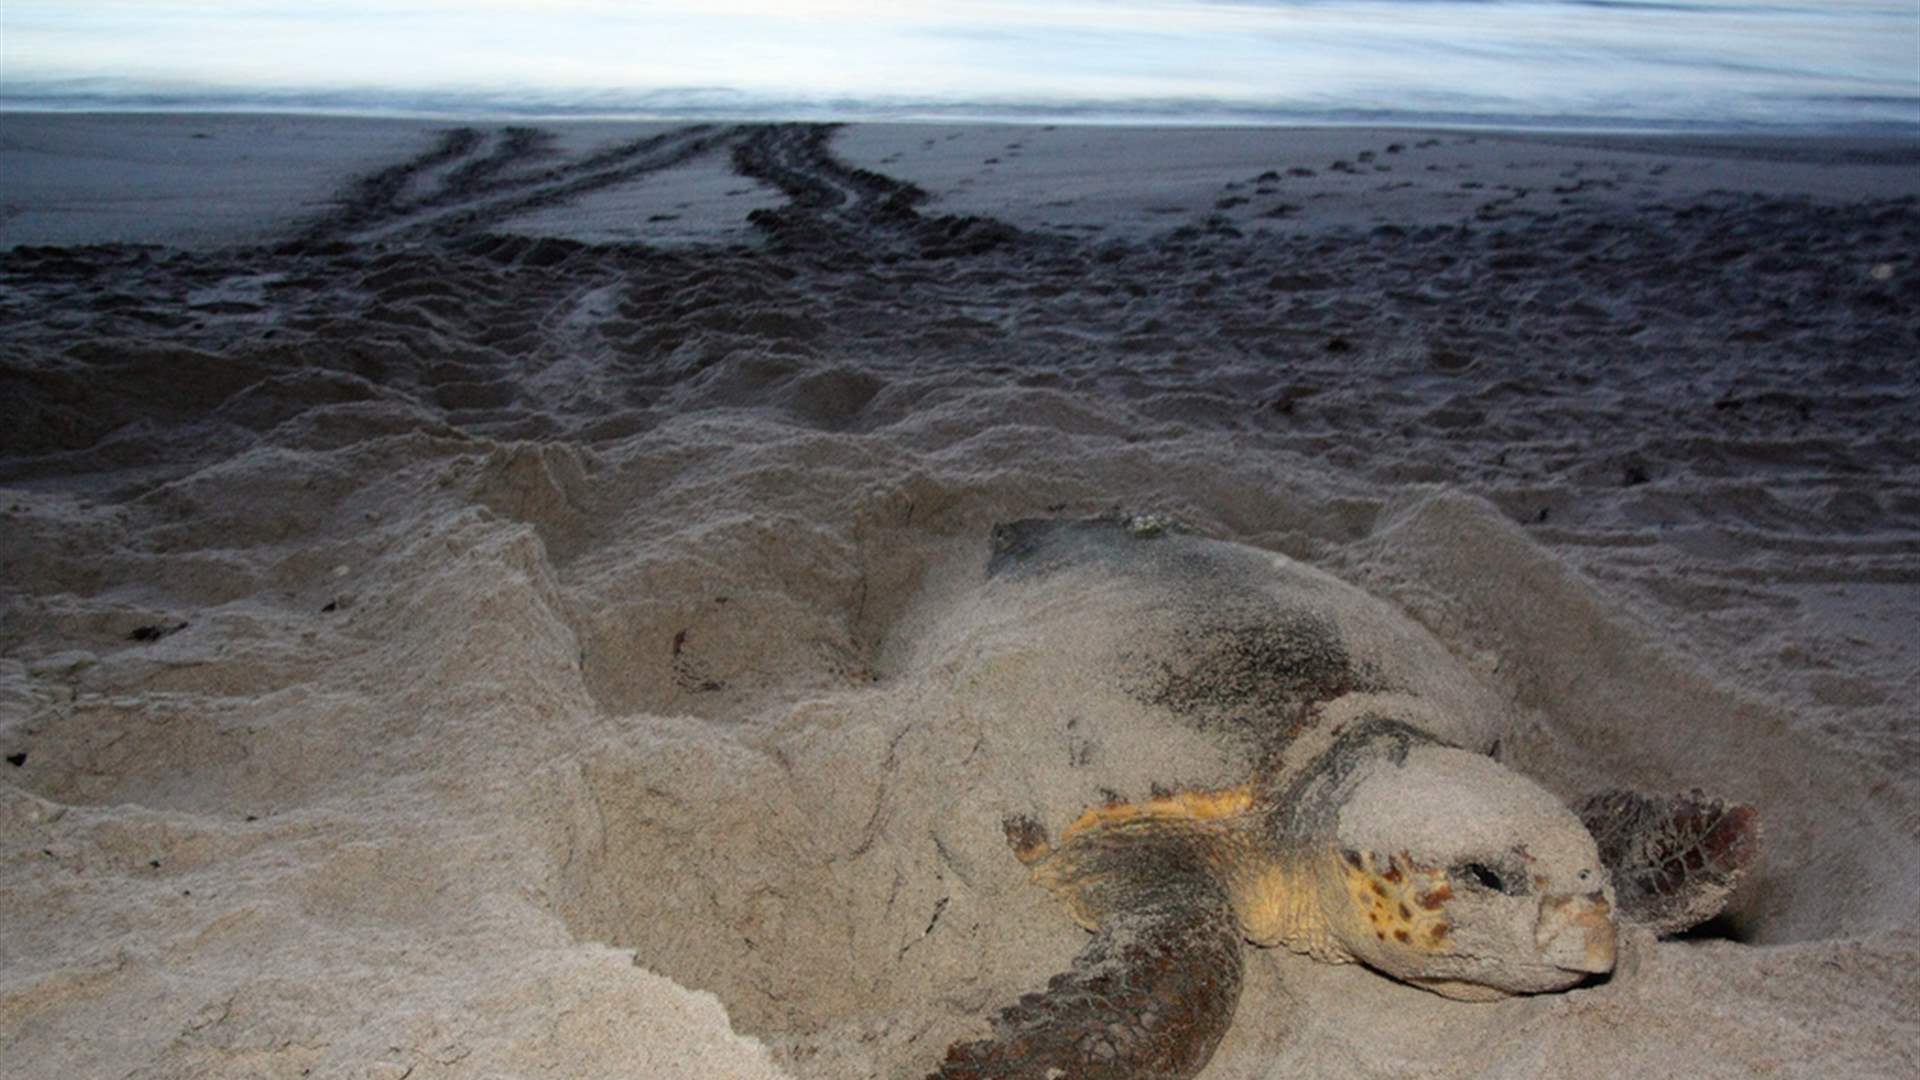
point(488, 600)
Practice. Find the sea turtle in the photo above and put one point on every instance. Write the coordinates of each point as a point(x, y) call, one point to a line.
point(1374, 826)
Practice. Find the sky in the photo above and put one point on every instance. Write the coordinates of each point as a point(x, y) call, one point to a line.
point(1736, 59)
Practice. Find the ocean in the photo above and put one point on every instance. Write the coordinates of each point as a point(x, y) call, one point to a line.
point(1847, 65)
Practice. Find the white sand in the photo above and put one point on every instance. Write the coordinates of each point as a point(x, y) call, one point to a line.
point(430, 654)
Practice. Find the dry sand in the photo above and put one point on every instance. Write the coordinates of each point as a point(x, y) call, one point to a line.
point(494, 603)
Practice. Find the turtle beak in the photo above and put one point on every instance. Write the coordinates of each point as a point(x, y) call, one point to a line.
point(1575, 932)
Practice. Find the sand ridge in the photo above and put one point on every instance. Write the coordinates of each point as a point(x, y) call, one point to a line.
point(415, 619)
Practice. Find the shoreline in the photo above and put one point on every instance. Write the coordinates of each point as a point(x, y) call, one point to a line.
point(1601, 127)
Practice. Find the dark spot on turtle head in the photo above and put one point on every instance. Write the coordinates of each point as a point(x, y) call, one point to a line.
point(1353, 859)
point(1402, 937)
point(1405, 913)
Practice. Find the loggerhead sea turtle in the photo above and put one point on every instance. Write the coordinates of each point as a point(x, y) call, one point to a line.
point(1374, 827)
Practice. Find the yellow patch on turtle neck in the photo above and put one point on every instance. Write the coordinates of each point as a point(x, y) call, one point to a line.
point(1277, 904)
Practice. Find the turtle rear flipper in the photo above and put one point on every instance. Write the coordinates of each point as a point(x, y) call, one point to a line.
point(1150, 995)
point(1675, 859)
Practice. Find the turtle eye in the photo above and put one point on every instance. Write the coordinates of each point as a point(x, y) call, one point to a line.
point(1482, 875)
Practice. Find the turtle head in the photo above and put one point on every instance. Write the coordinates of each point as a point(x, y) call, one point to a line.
point(1456, 874)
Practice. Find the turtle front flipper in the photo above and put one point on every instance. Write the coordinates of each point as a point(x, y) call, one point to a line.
point(1675, 859)
point(1151, 994)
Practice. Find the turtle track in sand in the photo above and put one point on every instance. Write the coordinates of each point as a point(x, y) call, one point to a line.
point(471, 180)
point(829, 199)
